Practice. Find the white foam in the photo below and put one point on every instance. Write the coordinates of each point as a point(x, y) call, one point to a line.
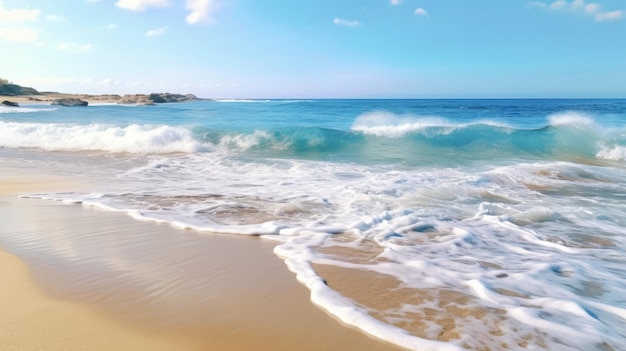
point(248, 141)
point(74, 137)
point(571, 118)
point(383, 123)
point(434, 230)
point(615, 153)
point(9, 109)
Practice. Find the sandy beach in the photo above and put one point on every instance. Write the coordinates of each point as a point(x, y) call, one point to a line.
point(48, 98)
point(76, 278)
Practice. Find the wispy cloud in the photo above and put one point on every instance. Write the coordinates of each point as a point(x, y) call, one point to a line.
point(396, 2)
point(201, 11)
point(19, 35)
point(108, 81)
point(592, 9)
point(73, 47)
point(420, 12)
point(346, 23)
point(156, 32)
point(15, 32)
point(17, 15)
point(609, 16)
point(55, 18)
point(140, 5)
point(111, 26)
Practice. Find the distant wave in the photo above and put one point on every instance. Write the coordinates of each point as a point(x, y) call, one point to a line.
point(261, 100)
point(387, 124)
point(98, 137)
point(240, 100)
point(6, 109)
point(375, 136)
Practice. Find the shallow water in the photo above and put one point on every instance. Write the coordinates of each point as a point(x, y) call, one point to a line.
point(500, 221)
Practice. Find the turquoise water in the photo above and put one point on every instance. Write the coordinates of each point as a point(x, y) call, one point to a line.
point(518, 204)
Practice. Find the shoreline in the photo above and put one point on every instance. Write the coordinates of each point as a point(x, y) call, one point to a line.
point(47, 98)
point(80, 278)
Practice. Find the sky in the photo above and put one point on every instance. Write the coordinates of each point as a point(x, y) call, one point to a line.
point(319, 48)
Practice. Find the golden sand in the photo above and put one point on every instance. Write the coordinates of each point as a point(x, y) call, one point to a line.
point(154, 287)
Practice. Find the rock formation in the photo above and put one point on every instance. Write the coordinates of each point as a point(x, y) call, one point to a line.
point(62, 99)
point(70, 102)
point(156, 98)
point(9, 103)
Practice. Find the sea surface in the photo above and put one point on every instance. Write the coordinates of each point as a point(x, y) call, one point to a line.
point(507, 218)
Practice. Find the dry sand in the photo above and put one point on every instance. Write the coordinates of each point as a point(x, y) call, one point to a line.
point(47, 99)
point(76, 278)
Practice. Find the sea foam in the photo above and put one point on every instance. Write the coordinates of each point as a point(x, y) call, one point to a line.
point(8, 109)
point(571, 118)
point(99, 137)
point(387, 124)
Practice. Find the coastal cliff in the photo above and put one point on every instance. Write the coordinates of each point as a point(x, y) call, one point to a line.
point(7, 89)
point(19, 93)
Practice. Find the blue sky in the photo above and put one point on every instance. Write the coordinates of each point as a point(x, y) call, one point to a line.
point(318, 49)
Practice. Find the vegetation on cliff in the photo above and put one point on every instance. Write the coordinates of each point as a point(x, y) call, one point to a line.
point(7, 88)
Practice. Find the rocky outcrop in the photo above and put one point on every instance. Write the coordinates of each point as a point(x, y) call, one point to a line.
point(156, 98)
point(137, 99)
point(167, 97)
point(62, 99)
point(70, 102)
point(9, 103)
point(16, 90)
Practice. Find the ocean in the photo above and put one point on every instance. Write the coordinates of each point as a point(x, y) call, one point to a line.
point(470, 224)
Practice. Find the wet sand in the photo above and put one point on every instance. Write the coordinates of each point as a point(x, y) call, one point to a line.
point(76, 278)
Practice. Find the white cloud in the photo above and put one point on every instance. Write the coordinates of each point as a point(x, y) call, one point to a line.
point(108, 81)
point(346, 23)
point(19, 34)
point(55, 18)
point(593, 9)
point(420, 12)
point(140, 5)
point(201, 11)
point(73, 47)
point(396, 2)
point(609, 16)
point(559, 4)
point(111, 26)
point(157, 31)
point(133, 83)
point(17, 15)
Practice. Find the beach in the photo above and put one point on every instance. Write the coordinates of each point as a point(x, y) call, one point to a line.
point(160, 288)
point(317, 224)
point(48, 98)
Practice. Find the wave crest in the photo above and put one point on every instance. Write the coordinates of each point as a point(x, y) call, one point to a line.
point(571, 118)
point(99, 137)
point(387, 124)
